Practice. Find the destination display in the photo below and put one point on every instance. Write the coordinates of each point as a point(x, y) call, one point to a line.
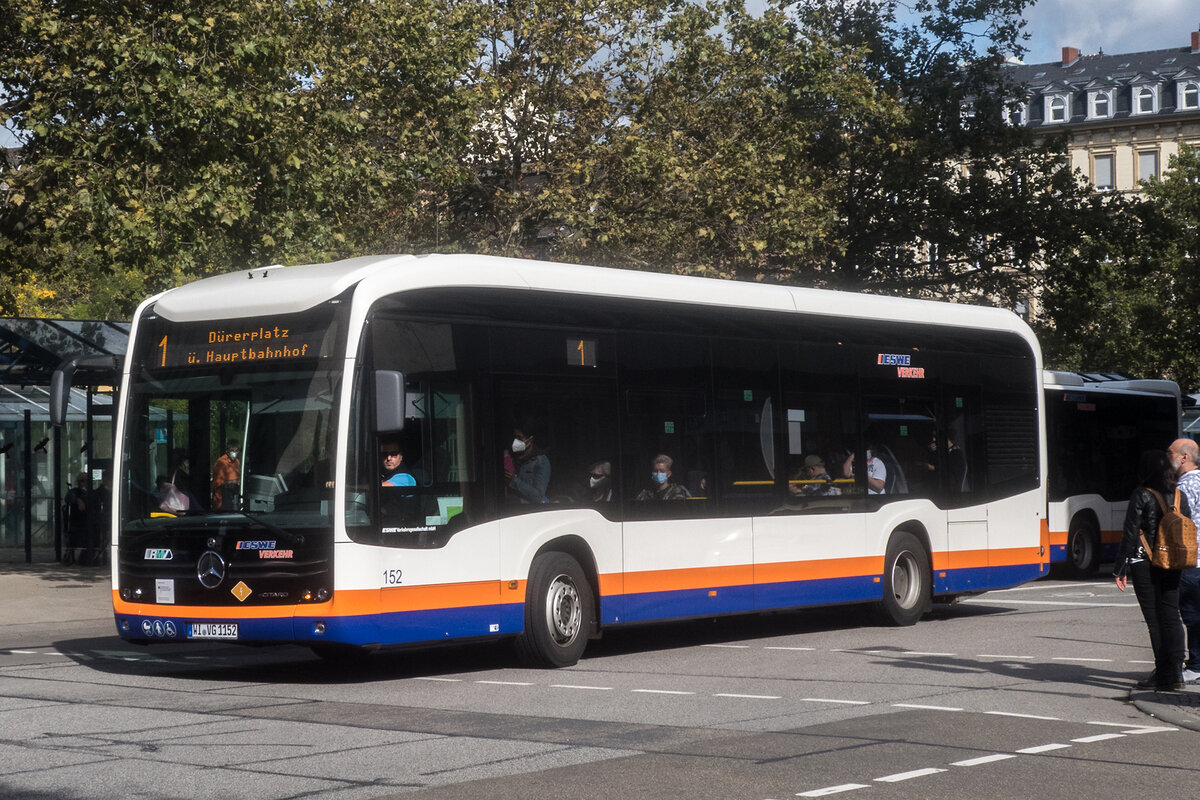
point(244, 342)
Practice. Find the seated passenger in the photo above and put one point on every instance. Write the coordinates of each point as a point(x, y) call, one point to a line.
point(663, 488)
point(876, 471)
point(527, 471)
point(815, 481)
point(600, 483)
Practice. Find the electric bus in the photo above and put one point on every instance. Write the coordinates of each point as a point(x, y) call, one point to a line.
point(822, 448)
point(1098, 425)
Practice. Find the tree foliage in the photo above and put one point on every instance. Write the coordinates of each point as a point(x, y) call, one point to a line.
point(821, 142)
point(1125, 298)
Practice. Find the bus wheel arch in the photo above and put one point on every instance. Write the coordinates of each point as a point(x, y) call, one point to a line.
point(1083, 543)
point(907, 577)
point(560, 606)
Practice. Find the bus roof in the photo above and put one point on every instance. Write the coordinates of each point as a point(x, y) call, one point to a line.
point(1108, 382)
point(280, 290)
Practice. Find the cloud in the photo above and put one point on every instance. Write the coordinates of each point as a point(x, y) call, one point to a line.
point(1114, 26)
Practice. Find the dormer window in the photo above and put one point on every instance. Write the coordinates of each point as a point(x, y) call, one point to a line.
point(1016, 113)
point(1189, 95)
point(1056, 108)
point(1145, 99)
point(1100, 104)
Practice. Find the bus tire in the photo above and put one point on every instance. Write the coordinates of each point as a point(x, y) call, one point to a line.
point(558, 612)
point(907, 580)
point(1083, 546)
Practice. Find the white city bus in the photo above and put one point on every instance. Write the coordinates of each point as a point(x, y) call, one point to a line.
point(312, 372)
point(1098, 425)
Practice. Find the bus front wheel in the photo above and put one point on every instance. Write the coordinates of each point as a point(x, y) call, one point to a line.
point(558, 612)
point(907, 580)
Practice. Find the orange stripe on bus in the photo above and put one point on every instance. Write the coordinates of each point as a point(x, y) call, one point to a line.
point(787, 571)
point(671, 580)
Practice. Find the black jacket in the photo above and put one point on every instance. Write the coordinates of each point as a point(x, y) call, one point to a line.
point(1142, 516)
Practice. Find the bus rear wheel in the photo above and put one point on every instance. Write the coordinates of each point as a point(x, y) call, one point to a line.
point(558, 612)
point(1083, 547)
point(907, 580)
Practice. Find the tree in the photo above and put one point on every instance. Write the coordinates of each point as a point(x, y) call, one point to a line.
point(1125, 298)
point(168, 140)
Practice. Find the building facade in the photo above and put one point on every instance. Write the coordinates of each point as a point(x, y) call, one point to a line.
point(1125, 115)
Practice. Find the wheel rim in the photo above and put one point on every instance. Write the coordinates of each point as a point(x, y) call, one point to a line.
point(564, 612)
point(906, 581)
point(1081, 549)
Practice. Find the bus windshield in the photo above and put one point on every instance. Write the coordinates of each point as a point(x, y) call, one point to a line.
point(245, 441)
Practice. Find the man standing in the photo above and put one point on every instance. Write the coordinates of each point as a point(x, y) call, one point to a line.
point(227, 478)
point(1185, 457)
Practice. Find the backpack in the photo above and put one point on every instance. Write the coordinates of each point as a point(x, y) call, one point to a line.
point(1175, 546)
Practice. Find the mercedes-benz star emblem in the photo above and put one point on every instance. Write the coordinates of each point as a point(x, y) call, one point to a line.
point(210, 569)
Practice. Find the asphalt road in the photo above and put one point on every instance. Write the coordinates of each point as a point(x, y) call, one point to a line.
point(1013, 694)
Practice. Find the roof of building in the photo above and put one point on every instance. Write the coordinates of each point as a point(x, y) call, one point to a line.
point(31, 349)
point(1080, 76)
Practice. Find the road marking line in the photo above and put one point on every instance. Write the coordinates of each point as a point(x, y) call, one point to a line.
point(926, 708)
point(505, 683)
point(908, 776)
point(829, 700)
point(788, 648)
point(973, 762)
point(1042, 748)
point(751, 696)
point(1051, 603)
point(441, 680)
point(1100, 737)
point(574, 686)
point(660, 691)
point(1089, 660)
point(1022, 716)
point(729, 646)
point(828, 790)
point(1140, 731)
point(918, 653)
point(1009, 658)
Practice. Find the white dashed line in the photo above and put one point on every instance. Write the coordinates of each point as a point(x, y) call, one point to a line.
point(776, 647)
point(916, 653)
point(1100, 737)
point(441, 680)
point(828, 790)
point(1022, 716)
point(1088, 660)
point(908, 776)
point(572, 686)
point(751, 696)
point(506, 683)
point(974, 762)
point(1042, 748)
point(831, 700)
point(925, 708)
point(659, 691)
point(1006, 658)
point(729, 646)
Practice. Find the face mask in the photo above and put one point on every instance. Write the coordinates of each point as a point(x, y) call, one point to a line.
point(870, 455)
point(659, 477)
point(594, 482)
point(233, 453)
point(518, 446)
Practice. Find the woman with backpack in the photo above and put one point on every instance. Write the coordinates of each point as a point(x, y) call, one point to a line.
point(1157, 589)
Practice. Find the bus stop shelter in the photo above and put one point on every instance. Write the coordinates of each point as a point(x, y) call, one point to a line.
point(39, 462)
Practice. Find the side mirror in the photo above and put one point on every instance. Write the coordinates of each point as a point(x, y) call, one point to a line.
point(389, 401)
point(64, 378)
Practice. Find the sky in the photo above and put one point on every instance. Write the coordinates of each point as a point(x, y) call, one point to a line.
point(1114, 26)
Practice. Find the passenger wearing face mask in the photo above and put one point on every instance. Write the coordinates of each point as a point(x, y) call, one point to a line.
point(527, 471)
point(600, 483)
point(876, 471)
point(662, 488)
point(227, 477)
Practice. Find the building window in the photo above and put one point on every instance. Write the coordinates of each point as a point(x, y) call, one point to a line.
point(1189, 96)
point(1147, 165)
point(1101, 105)
point(1102, 173)
point(1145, 99)
point(1016, 114)
point(1056, 109)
